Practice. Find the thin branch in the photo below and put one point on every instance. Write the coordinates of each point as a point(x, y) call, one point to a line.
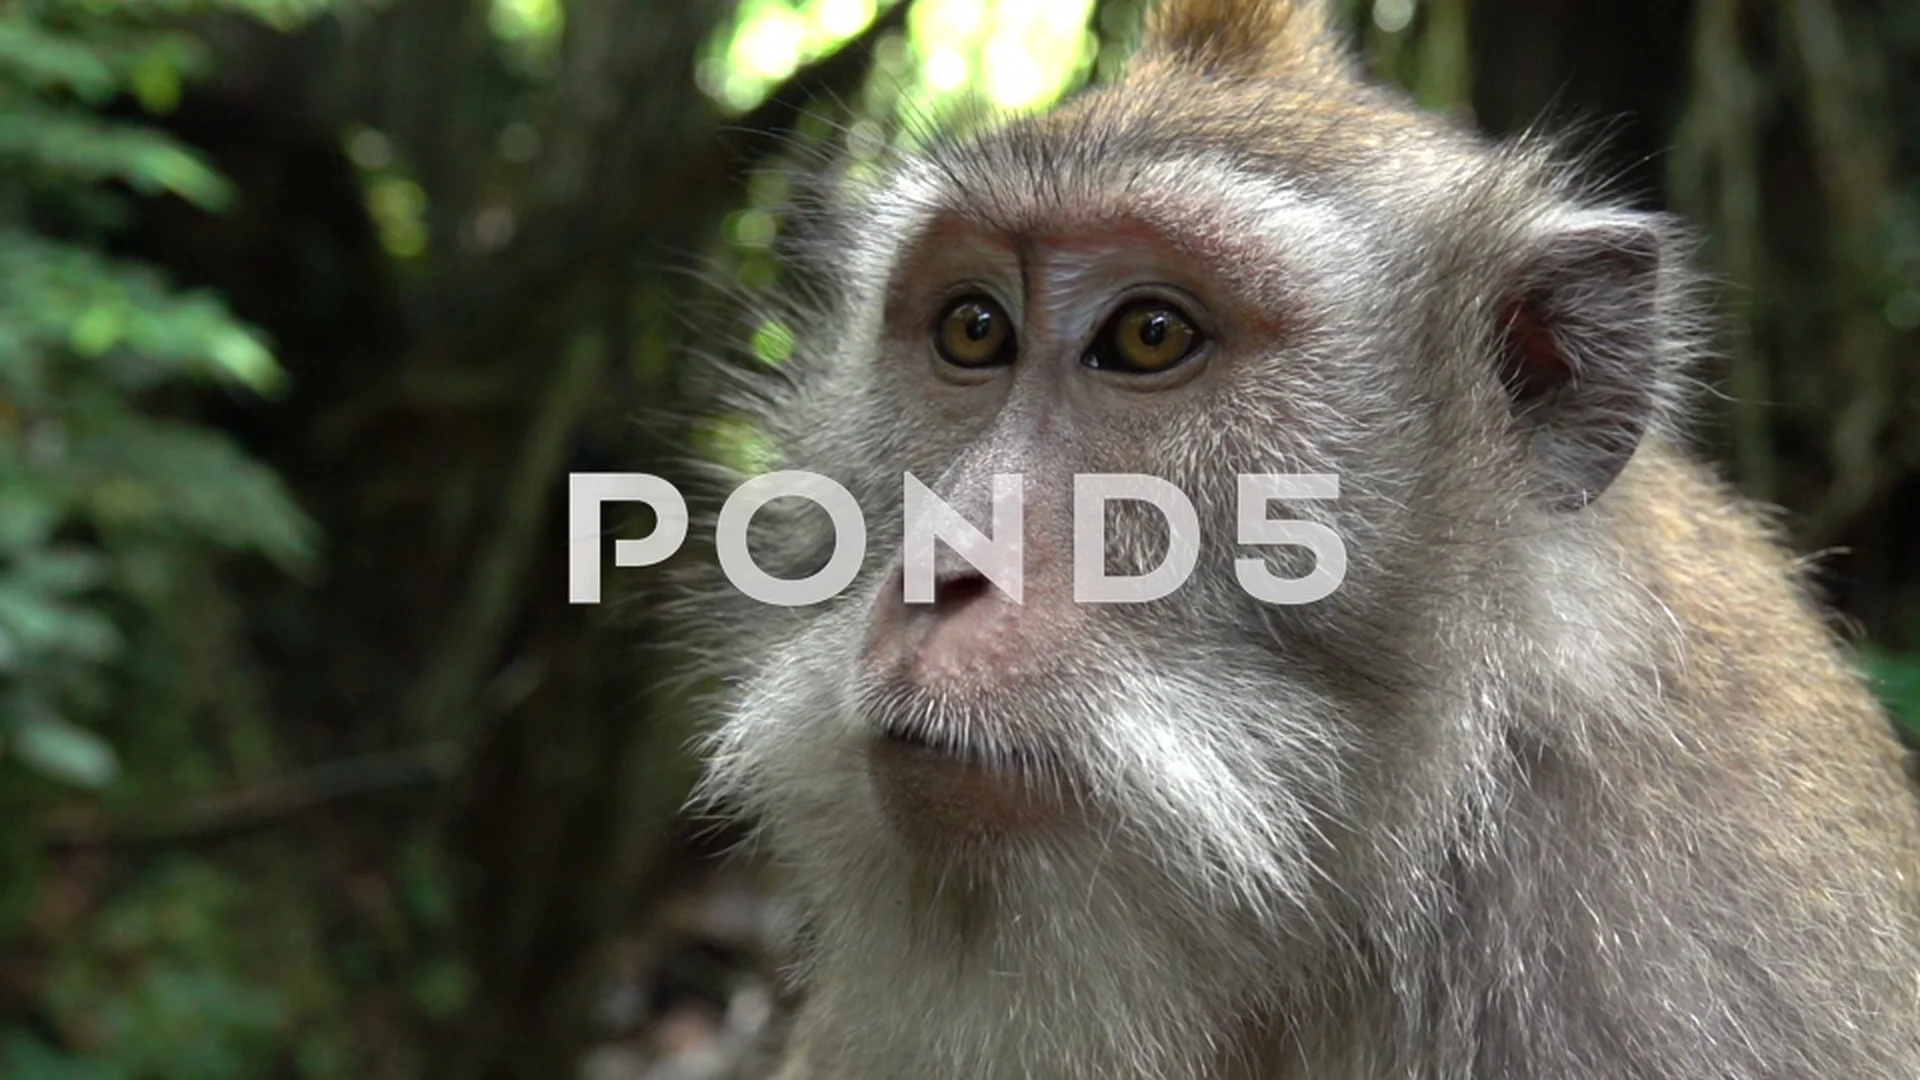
point(223, 815)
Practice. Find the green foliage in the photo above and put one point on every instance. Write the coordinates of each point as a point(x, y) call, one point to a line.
point(1897, 678)
point(184, 973)
point(109, 509)
point(161, 983)
point(98, 497)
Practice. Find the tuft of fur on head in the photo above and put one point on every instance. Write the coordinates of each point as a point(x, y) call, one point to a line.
point(1292, 39)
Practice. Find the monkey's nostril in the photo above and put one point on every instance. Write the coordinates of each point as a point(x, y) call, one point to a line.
point(952, 594)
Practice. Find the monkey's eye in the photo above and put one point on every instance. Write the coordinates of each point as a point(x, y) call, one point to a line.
point(974, 333)
point(1144, 338)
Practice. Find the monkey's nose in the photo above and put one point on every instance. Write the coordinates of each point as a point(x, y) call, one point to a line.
point(972, 636)
point(900, 627)
point(953, 591)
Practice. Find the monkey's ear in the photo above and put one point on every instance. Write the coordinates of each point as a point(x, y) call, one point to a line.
point(1246, 38)
point(1580, 350)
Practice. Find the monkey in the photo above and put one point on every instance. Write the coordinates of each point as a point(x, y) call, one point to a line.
point(1569, 777)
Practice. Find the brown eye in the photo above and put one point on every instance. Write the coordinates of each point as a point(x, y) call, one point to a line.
point(1144, 338)
point(974, 333)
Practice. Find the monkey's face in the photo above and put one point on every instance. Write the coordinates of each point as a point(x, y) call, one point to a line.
point(1051, 304)
point(1190, 323)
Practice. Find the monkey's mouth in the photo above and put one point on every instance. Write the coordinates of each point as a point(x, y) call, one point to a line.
point(922, 741)
point(932, 746)
point(936, 744)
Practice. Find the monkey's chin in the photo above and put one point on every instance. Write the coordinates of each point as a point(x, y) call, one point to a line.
point(953, 798)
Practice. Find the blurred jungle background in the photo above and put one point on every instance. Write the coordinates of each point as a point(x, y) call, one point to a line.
point(307, 307)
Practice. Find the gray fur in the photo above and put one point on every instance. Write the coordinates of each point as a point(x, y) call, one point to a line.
point(1567, 780)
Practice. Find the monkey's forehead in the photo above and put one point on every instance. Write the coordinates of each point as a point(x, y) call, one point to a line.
point(1303, 135)
point(1204, 208)
point(1233, 169)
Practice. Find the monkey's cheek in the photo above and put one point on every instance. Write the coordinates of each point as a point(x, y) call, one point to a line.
point(947, 804)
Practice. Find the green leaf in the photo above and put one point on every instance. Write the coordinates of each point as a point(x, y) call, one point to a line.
point(284, 15)
point(27, 518)
point(1896, 678)
point(87, 149)
point(156, 82)
point(159, 475)
point(245, 357)
point(63, 751)
point(94, 65)
point(96, 331)
point(61, 571)
point(60, 297)
point(46, 61)
point(44, 625)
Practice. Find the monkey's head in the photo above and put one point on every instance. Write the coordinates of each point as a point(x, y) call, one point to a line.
point(1236, 261)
